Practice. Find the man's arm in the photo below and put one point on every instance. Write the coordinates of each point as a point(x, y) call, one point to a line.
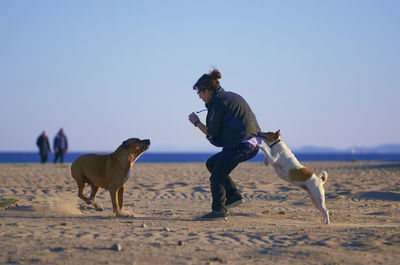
point(194, 119)
point(202, 127)
point(215, 116)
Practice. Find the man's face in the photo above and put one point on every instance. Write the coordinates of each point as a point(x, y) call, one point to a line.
point(205, 95)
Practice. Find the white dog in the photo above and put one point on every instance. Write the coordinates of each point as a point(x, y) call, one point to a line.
point(289, 169)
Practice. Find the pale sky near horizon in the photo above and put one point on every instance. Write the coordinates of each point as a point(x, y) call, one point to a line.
point(326, 73)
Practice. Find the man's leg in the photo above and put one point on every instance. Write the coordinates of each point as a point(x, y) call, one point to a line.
point(224, 165)
point(212, 161)
point(230, 187)
point(56, 157)
point(45, 156)
point(62, 157)
point(244, 152)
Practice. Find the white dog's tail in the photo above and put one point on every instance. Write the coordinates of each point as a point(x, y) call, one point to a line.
point(324, 176)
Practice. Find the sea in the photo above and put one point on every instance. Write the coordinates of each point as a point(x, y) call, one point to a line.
point(154, 157)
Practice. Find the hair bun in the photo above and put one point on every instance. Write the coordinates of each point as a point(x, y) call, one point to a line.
point(215, 74)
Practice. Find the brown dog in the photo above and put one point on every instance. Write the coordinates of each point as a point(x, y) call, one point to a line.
point(108, 172)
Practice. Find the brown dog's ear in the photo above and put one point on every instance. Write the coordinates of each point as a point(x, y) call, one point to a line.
point(278, 133)
point(124, 144)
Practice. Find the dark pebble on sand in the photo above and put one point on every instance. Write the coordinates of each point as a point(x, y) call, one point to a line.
point(116, 247)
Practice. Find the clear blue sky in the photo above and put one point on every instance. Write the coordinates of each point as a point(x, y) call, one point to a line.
point(327, 73)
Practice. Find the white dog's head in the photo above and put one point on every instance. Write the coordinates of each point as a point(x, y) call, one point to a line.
point(270, 137)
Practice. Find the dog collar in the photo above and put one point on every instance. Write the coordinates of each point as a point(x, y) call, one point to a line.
point(275, 143)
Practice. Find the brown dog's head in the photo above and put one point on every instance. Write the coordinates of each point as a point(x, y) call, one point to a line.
point(135, 146)
point(270, 137)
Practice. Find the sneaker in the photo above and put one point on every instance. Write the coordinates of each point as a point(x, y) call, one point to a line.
point(214, 215)
point(235, 201)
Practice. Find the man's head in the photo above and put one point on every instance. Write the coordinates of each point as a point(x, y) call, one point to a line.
point(207, 85)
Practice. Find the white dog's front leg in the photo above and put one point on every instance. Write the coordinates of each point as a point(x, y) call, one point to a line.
point(266, 163)
point(267, 156)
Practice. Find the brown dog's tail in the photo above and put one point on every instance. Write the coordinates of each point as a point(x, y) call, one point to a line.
point(324, 176)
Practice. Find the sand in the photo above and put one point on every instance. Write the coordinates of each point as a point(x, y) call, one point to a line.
point(276, 225)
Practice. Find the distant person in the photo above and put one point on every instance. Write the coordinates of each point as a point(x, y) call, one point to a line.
point(232, 125)
point(60, 146)
point(44, 147)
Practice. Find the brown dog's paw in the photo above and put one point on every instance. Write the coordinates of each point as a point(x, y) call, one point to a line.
point(98, 207)
point(124, 214)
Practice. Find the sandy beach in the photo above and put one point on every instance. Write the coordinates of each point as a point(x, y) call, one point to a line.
point(42, 221)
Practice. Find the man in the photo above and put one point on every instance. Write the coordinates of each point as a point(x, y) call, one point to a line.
point(230, 124)
point(60, 146)
point(44, 147)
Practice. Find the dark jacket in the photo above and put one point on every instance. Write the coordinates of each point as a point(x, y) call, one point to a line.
point(60, 143)
point(43, 143)
point(229, 120)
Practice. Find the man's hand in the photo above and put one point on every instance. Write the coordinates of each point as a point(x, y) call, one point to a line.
point(193, 118)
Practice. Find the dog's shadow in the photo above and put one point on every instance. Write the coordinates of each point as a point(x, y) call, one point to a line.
point(378, 195)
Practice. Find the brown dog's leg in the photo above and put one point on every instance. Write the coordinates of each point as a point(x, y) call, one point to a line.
point(115, 199)
point(92, 197)
point(113, 195)
point(121, 198)
point(81, 186)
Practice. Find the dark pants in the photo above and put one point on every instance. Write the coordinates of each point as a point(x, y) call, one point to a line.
point(59, 154)
point(220, 166)
point(43, 157)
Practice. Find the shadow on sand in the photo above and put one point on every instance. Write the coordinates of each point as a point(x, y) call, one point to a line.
point(379, 195)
